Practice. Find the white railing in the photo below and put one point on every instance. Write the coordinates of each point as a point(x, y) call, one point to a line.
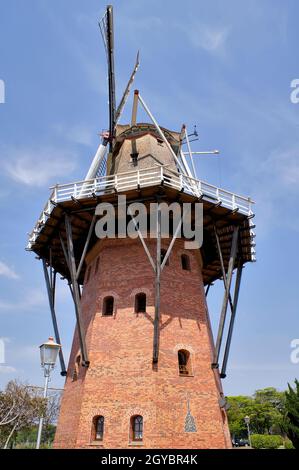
point(123, 182)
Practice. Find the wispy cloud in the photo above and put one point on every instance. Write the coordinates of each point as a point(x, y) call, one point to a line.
point(208, 38)
point(78, 134)
point(38, 166)
point(32, 299)
point(8, 272)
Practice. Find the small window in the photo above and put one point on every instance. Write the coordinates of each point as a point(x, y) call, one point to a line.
point(163, 253)
point(184, 362)
point(137, 428)
point(185, 263)
point(98, 425)
point(108, 306)
point(97, 265)
point(88, 274)
point(140, 303)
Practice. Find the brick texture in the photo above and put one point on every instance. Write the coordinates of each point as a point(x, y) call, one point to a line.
point(121, 381)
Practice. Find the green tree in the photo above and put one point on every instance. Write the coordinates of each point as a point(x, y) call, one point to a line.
point(292, 414)
point(265, 410)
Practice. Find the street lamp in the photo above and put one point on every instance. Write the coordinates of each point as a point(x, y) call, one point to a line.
point(247, 421)
point(48, 355)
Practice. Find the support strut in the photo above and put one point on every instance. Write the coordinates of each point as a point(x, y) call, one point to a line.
point(229, 275)
point(232, 319)
point(76, 291)
point(156, 341)
point(50, 283)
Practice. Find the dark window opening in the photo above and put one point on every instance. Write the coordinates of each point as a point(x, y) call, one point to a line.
point(108, 306)
point(163, 253)
point(137, 428)
point(184, 362)
point(140, 303)
point(99, 428)
point(185, 263)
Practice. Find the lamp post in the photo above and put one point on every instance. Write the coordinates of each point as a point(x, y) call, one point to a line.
point(247, 421)
point(48, 356)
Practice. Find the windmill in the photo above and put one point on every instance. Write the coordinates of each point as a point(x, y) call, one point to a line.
point(143, 340)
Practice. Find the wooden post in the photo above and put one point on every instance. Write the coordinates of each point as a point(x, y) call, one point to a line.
point(157, 290)
point(229, 276)
point(76, 291)
point(50, 284)
point(232, 319)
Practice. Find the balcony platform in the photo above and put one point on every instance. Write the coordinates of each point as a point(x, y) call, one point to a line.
point(79, 199)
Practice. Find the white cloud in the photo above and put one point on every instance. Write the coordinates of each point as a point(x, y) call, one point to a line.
point(8, 272)
point(39, 166)
point(32, 299)
point(210, 39)
point(79, 134)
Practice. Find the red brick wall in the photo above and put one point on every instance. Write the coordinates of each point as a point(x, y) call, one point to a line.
point(120, 381)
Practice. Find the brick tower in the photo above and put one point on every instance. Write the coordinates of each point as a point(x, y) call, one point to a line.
point(144, 370)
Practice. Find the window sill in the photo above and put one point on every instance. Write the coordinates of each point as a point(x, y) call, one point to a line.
point(96, 443)
point(136, 443)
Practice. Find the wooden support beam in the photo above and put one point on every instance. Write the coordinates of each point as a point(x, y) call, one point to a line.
point(156, 341)
point(86, 246)
point(142, 240)
point(222, 268)
point(50, 284)
point(76, 292)
point(178, 228)
point(231, 264)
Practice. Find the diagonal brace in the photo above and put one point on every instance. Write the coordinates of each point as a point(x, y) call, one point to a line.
point(50, 283)
point(231, 264)
point(76, 291)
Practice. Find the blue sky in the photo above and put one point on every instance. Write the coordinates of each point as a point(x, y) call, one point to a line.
point(224, 66)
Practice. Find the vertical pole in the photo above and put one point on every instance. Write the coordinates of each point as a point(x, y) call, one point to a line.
point(76, 291)
point(232, 320)
point(227, 290)
point(51, 297)
point(111, 76)
point(41, 420)
point(248, 432)
point(157, 290)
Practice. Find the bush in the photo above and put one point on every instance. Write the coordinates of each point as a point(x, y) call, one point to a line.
point(266, 441)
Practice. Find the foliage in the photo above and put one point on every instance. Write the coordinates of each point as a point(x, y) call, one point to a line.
point(265, 410)
point(266, 441)
point(291, 423)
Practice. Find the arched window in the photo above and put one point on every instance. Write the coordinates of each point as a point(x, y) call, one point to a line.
point(108, 305)
point(98, 428)
point(185, 263)
point(184, 362)
point(136, 428)
point(140, 303)
point(163, 253)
